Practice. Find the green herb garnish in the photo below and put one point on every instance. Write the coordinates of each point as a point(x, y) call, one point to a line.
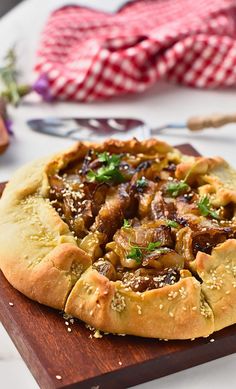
point(136, 252)
point(108, 172)
point(126, 224)
point(141, 183)
point(176, 188)
point(109, 159)
point(172, 223)
point(205, 209)
point(153, 246)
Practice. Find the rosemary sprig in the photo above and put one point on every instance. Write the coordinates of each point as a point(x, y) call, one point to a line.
point(8, 75)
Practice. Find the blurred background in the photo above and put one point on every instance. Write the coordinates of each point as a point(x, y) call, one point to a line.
point(6, 5)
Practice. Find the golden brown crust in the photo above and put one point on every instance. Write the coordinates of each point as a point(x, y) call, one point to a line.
point(176, 311)
point(218, 272)
point(215, 177)
point(37, 248)
point(46, 264)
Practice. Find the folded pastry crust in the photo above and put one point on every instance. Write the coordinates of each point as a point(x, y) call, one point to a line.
point(41, 256)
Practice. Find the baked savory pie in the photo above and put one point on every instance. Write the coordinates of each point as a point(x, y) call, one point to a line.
point(130, 237)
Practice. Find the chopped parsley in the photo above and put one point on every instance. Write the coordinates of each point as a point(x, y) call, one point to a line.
point(174, 189)
point(141, 183)
point(126, 224)
point(109, 171)
point(172, 223)
point(107, 158)
point(153, 246)
point(136, 252)
point(205, 209)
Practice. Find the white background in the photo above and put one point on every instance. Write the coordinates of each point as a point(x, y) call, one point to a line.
point(161, 104)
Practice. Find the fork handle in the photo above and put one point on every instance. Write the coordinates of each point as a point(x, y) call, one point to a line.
point(198, 123)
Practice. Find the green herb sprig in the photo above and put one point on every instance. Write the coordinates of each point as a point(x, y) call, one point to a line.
point(141, 183)
point(137, 252)
point(174, 189)
point(172, 223)
point(177, 188)
point(205, 208)
point(109, 171)
point(126, 224)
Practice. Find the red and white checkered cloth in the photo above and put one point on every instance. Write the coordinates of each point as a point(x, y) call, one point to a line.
point(89, 55)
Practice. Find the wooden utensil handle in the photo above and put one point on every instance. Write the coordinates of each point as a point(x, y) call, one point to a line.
point(200, 122)
point(4, 137)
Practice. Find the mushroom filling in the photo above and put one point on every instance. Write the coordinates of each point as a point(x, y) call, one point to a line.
point(137, 221)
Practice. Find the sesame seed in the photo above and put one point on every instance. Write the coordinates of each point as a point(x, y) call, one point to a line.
point(139, 310)
point(58, 377)
point(161, 306)
point(120, 363)
point(11, 304)
point(69, 329)
point(212, 340)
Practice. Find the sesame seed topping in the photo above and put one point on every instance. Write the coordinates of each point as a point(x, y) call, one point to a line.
point(11, 304)
point(118, 302)
point(58, 377)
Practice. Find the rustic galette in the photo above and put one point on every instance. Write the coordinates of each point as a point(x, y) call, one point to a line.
point(130, 237)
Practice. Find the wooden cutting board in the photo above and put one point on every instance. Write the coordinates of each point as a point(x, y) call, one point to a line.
point(49, 350)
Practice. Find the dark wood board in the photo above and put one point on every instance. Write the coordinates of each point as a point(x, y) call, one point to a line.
point(41, 336)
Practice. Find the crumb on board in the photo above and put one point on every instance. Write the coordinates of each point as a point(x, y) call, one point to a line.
point(212, 340)
point(97, 334)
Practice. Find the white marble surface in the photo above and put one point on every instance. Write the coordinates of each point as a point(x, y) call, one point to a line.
point(163, 103)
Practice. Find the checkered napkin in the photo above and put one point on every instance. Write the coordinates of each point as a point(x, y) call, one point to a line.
point(89, 55)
